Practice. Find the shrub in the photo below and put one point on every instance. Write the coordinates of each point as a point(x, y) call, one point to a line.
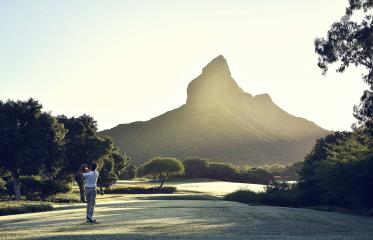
point(64, 198)
point(2, 186)
point(129, 172)
point(50, 187)
point(275, 195)
point(141, 190)
point(195, 167)
point(256, 175)
point(34, 188)
point(223, 171)
point(243, 196)
point(7, 208)
point(30, 187)
point(289, 172)
point(107, 176)
point(284, 198)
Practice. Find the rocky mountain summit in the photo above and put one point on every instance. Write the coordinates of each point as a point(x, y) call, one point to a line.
point(221, 122)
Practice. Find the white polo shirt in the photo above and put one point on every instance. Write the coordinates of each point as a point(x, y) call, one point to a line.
point(90, 178)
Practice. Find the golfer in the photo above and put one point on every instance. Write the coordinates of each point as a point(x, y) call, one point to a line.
point(90, 176)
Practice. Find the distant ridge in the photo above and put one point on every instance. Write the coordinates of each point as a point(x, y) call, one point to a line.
point(221, 122)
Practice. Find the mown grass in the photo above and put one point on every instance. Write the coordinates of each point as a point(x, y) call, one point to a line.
point(170, 219)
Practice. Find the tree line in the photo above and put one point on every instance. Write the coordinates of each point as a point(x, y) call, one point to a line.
point(35, 143)
point(339, 169)
point(161, 168)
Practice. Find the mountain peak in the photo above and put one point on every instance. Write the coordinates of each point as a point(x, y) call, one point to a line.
point(221, 122)
point(218, 64)
point(215, 84)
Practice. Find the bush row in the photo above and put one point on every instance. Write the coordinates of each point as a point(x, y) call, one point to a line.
point(18, 208)
point(36, 188)
point(64, 198)
point(275, 195)
point(140, 190)
point(201, 168)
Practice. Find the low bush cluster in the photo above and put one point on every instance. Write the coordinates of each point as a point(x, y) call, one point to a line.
point(36, 188)
point(275, 195)
point(202, 168)
point(8, 208)
point(64, 198)
point(140, 190)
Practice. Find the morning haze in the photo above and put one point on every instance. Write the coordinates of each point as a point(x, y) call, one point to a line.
point(188, 120)
point(124, 61)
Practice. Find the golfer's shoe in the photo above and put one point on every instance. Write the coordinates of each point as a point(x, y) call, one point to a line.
point(89, 219)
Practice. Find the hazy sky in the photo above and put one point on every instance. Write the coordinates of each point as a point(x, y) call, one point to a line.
point(123, 61)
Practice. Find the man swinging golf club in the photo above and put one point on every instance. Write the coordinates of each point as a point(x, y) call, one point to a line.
point(90, 176)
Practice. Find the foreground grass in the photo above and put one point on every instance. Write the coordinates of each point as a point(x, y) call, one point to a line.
point(189, 214)
point(180, 219)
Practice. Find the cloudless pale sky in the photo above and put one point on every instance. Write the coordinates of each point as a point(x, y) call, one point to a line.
point(124, 61)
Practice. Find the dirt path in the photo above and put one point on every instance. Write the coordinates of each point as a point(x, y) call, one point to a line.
point(185, 219)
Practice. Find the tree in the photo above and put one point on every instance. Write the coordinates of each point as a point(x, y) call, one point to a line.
point(350, 41)
point(113, 165)
point(223, 171)
point(194, 167)
point(162, 168)
point(31, 141)
point(83, 145)
point(333, 170)
point(120, 160)
point(107, 175)
point(129, 173)
point(256, 175)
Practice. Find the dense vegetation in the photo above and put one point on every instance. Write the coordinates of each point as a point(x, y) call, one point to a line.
point(7, 208)
point(40, 153)
point(140, 190)
point(196, 167)
point(203, 168)
point(338, 171)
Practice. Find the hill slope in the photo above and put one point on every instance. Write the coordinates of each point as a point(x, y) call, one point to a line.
point(221, 122)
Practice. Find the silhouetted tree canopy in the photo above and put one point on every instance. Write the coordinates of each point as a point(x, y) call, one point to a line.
point(106, 176)
point(334, 172)
point(83, 145)
point(162, 168)
point(31, 141)
point(223, 171)
point(350, 42)
point(129, 172)
point(112, 166)
point(194, 167)
point(120, 160)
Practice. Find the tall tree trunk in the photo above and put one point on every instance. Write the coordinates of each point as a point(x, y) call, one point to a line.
point(16, 186)
point(162, 181)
